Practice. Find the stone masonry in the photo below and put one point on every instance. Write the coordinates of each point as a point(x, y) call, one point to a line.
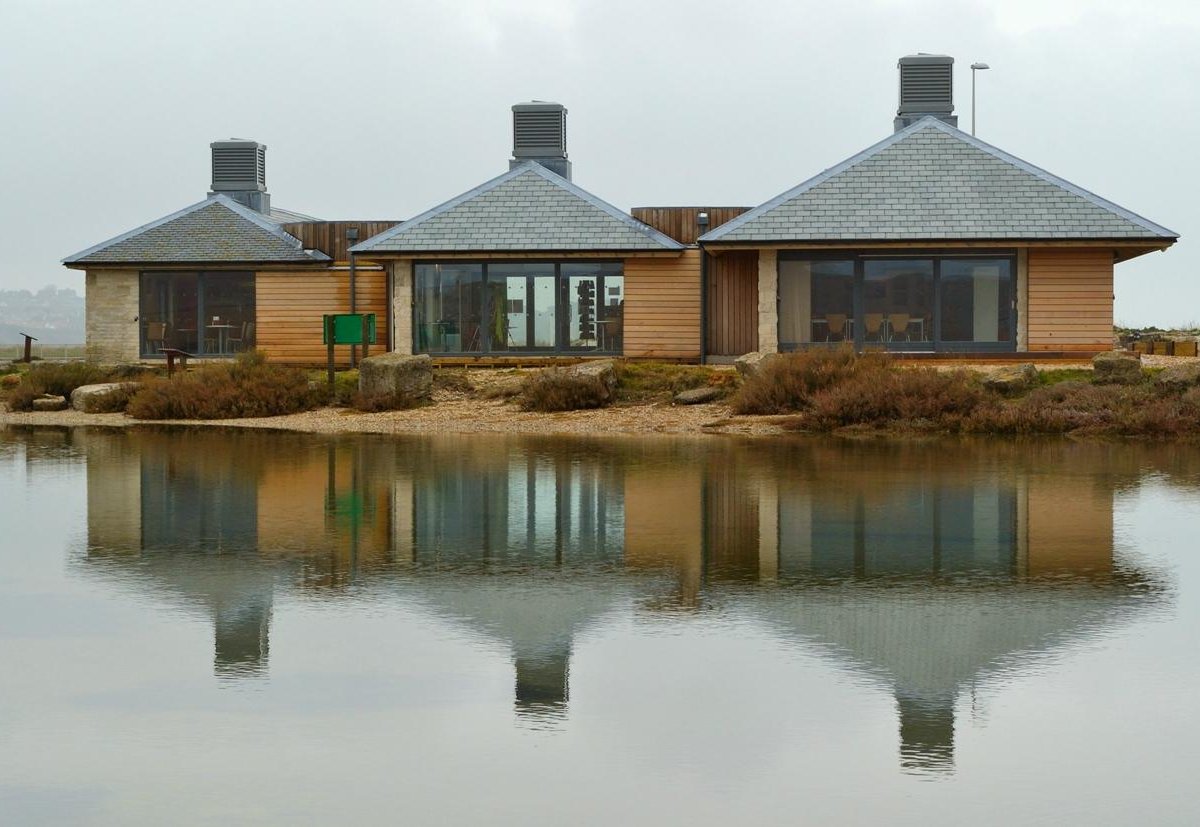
point(768, 302)
point(112, 315)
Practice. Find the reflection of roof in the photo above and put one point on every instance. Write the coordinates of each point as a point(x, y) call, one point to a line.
point(932, 641)
point(527, 208)
point(217, 229)
point(932, 181)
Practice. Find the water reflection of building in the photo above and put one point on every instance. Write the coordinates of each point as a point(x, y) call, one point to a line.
point(926, 569)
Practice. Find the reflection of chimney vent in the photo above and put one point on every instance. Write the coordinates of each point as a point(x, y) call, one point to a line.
point(239, 170)
point(926, 88)
point(540, 134)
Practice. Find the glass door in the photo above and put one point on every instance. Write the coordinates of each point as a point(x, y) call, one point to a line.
point(898, 304)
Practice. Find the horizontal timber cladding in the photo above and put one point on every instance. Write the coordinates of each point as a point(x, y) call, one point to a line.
point(662, 307)
point(1070, 299)
point(732, 318)
point(680, 223)
point(289, 307)
point(330, 236)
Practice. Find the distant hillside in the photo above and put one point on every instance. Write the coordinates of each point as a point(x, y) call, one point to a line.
point(53, 315)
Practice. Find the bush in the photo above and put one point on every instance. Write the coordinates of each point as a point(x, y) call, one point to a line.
point(247, 387)
point(787, 383)
point(559, 390)
point(56, 379)
point(376, 402)
point(115, 401)
point(915, 396)
point(646, 381)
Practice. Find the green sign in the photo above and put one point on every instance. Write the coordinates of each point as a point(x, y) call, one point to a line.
point(348, 328)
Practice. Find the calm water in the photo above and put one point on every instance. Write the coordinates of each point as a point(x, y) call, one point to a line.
point(206, 627)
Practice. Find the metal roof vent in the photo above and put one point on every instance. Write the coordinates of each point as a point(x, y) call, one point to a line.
point(239, 170)
point(926, 88)
point(540, 134)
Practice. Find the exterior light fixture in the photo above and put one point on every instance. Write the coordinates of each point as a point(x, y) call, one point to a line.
point(975, 67)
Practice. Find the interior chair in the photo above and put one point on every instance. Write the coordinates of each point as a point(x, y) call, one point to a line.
point(873, 326)
point(244, 340)
point(156, 336)
point(898, 325)
point(835, 324)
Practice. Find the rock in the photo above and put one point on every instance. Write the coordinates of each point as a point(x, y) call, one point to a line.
point(1012, 379)
point(1180, 377)
point(88, 398)
point(698, 396)
point(750, 364)
point(1117, 367)
point(410, 377)
point(603, 369)
point(50, 403)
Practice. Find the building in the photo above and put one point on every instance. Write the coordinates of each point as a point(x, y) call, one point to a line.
point(929, 241)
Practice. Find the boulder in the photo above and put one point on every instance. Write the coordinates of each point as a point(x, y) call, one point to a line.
point(47, 402)
point(698, 396)
point(1117, 367)
point(1012, 379)
point(87, 398)
point(410, 377)
point(1180, 377)
point(750, 364)
point(603, 369)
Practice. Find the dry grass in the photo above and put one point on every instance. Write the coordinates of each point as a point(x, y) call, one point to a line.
point(559, 390)
point(56, 379)
point(788, 383)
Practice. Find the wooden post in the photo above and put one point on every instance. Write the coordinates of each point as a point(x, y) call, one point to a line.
point(330, 328)
point(29, 340)
point(366, 338)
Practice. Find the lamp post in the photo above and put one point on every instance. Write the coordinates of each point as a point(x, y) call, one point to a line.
point(975, 67)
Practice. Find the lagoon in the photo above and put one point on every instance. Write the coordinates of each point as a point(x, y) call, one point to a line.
point(209, 626)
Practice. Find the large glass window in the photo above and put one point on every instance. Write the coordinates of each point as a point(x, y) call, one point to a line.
point(976, 300)
point(205, 313)
point(898, 302)
point(506, 307)
point(449, 312)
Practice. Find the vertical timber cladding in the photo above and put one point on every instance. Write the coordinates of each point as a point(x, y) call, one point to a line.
point(732, 323)
point(290, 304)
point(662, 307)
point(1070, 304)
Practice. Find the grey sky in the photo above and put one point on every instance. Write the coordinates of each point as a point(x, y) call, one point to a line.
point(384, 109)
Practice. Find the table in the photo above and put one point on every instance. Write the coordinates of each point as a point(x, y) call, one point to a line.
point(222, 335)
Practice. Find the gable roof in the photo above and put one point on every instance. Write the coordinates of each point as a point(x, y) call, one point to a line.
point(932, 181)
point(528, 208)
point(217, 229)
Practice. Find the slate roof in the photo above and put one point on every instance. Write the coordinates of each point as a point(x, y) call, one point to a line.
point(217, 230)
point(528, 208)
point(932, 181)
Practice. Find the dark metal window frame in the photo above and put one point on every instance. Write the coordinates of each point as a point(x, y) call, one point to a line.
point(935, 343)
point(561, 299)
point(200, 308)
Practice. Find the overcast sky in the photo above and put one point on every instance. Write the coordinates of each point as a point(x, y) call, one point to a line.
point(384, 109)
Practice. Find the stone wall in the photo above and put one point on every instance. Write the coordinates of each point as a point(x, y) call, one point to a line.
point(112, 315)
point(768, 301)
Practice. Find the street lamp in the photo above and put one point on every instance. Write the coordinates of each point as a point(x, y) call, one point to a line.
point(975, 67)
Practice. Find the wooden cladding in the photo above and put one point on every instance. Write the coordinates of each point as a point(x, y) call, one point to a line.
point(330, 236)
point(732, 323)
point(662, 307)
point(290, 306)
point(680, 222)
point(1070, 300)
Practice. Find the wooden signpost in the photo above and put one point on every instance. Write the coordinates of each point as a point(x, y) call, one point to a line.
point(346, 329)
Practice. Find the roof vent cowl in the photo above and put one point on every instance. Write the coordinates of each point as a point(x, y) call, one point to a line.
point(926, 88)
point(239, 170)
point(540, 134)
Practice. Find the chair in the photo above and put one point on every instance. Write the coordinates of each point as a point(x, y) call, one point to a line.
point(898, 324)
point(873, 326)
point(244, 340)
point(835, 324)
point(156, 336)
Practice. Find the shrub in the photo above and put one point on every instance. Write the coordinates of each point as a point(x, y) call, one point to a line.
point(916, 396)
point(644, 381)
point(376, 402)
point(559, 390)
point(115, 401)
point(247, 387)
point(57, 379)
point(787, 383)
